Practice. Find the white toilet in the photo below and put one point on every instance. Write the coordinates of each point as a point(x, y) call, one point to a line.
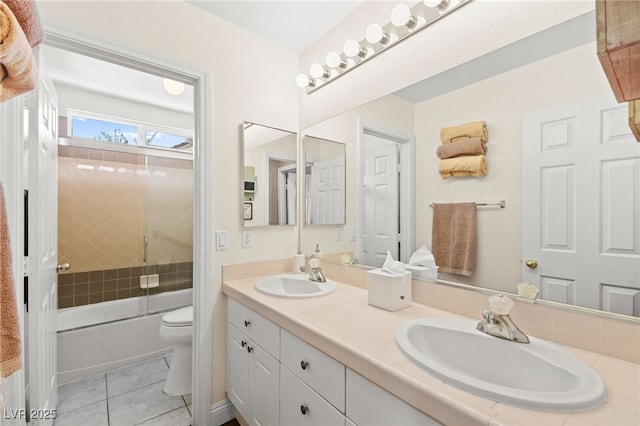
point(177, 328)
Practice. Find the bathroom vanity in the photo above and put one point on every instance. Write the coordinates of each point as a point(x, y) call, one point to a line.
point(334, 360)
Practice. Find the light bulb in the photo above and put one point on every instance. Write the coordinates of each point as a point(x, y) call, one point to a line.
point(334, 60)
point(440, 4)
point(317, 71)
point(375, 34)
point(303, 80)
point(173, 87)
point(352, 49)
point(401, 16)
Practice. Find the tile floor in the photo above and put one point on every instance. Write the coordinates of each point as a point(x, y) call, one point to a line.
point(128, 396)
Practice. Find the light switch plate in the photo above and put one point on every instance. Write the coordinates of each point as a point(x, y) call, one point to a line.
point(221, 240)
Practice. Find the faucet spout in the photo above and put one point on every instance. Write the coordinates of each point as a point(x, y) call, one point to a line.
point(315, 274)
point(501, 326)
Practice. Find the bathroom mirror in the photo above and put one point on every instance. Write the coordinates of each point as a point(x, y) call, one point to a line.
point(325, 181)
point(269, 177)
point(557, 67)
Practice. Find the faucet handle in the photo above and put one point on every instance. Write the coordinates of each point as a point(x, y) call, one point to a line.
point(500, 304)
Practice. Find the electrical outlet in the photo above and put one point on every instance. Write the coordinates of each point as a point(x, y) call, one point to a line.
point(246, 239)
point(221, 240)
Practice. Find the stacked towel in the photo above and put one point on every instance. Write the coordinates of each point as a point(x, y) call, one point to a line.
point(26, 14)
point(20, 73)
point(453, 237)
point(476, 129)
point(463, 166)
point(10, 348)
point(473, 146)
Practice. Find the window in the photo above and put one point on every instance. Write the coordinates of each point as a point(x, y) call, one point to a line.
point(118, 131)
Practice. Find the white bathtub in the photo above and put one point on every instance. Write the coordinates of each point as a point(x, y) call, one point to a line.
point(96, 338)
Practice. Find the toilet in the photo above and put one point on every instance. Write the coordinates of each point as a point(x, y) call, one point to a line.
point(177, 327)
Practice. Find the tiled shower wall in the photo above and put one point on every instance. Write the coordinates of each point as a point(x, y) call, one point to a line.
point(107, 202)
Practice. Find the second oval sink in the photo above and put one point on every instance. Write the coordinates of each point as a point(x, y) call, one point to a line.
point(539, 375)
point(294, 286)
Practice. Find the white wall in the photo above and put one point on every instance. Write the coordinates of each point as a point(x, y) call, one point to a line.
point(251, 80)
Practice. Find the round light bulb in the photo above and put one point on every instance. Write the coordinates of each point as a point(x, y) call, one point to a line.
point(302, 80)
point(352, 49)
point(334, 60)
point(317, 71)
point(173, 87)
point(436, 3)
point(375, 34)
point(401, 16)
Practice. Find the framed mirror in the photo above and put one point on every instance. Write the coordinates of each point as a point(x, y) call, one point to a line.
point(325, 181)
point(505, 89)
point(269, 177)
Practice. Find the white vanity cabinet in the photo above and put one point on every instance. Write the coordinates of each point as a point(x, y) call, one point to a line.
point(253, 366)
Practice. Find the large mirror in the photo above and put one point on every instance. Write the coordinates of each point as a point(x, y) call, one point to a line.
point(527, 93)
point(269, 177)
point(325, 181)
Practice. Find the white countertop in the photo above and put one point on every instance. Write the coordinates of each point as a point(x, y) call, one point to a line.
point(361, 337)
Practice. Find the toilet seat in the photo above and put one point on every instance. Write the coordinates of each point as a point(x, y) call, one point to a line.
point(182, 317)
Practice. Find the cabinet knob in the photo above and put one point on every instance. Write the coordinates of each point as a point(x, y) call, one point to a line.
point(243, 343)
point(304, 409)
point(304, 365)
point(249, 349)
point(247, 323)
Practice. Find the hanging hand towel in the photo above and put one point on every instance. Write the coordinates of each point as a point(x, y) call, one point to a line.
point(21, 73)
point(476, 129)
point(453, 237)
point(473, 146)
point(10, 349)
point(26, 13)
point(463, 166)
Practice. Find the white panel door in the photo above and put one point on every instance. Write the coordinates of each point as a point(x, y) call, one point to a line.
point(41, 155)
point(327, 191)
point(581, 205)
point(264, 374)
point(238, 370)
point(381, 225)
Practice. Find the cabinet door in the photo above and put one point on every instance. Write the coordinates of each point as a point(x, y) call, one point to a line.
point(302, 406)
point(238, 369)
point(264, 373)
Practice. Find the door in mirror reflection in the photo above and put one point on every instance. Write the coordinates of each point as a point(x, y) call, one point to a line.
point(269, 179)
point(325, 181)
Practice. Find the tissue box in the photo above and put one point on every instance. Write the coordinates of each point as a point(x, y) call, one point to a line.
point(388, 291)
point(428, 273)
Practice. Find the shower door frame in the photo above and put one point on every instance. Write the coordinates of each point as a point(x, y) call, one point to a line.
point(202, 197)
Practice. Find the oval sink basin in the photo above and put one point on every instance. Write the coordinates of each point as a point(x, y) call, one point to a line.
point(538, 375)
point(294, 286)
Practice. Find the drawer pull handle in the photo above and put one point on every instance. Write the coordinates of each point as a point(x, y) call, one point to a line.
point(304, 365)
point(249, 349)
point(247, 323)
point(304, 409)
point(243, 343)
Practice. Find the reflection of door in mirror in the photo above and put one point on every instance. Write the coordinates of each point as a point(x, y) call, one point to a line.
point(325, 181)
point(269, 175)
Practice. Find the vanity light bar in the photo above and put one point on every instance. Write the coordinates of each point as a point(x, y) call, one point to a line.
point(405, 21)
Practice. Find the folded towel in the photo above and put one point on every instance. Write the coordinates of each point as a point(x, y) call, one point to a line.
point(16, 57)
point(453, 237)
point(26, 13)
point(463, 166)
point(476, 129)
point(473, 146)
point(10, 348)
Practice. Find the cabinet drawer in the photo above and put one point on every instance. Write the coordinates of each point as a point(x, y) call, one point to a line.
point(321, 372)
point(301, 406)
point(369, 404)
point(262, 331)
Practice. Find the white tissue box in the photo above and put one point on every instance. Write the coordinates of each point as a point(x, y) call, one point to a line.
point(388, 291)
point(429, 273)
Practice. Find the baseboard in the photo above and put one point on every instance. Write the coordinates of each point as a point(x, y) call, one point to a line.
point(222, 412)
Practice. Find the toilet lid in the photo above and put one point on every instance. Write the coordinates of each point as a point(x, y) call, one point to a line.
point(179, 318)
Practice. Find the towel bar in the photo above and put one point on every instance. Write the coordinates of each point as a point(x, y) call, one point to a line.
point(502, 204)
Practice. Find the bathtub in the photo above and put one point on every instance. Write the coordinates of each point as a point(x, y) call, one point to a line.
point(100, 337)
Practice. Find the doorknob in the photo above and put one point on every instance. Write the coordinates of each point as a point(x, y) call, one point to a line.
point(531, 263)
point(63, 267)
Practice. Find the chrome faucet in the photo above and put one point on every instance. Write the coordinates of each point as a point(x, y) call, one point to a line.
point(315, 274)
point(314, 271)
point(498, 323)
